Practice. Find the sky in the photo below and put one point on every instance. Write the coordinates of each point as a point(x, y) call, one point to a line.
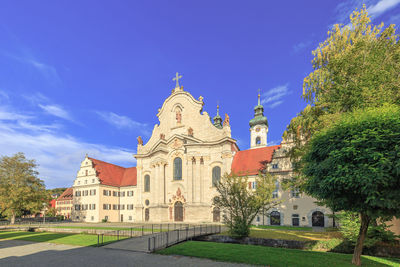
point(88, 76)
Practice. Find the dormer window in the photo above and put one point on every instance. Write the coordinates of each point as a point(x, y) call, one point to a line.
point(275, 166)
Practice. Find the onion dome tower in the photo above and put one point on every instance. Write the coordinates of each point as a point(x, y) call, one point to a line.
point(217, 119)
point(258, 127)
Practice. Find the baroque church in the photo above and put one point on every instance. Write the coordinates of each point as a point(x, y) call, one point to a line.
point(178, 167)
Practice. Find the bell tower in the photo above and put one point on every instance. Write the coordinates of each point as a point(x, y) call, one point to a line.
point(258, 127)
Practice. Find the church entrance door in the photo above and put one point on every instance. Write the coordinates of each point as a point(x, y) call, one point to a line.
point(178, 210)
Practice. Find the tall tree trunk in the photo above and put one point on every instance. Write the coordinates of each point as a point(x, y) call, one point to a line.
point(365, 219)
point(12, 217)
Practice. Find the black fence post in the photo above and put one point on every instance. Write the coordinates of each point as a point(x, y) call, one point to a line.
point(168, 227)
point(142, 230)
point(98, 239)
point(102, 239)
point(200, 229)
point(167, 239)
point(154, 243)
point(160, 228)
point(187, 233)
point(219, 228)
point(152, 228)
point(148, 245)
point(131, 231)
point(117, 234)
point(178, 235)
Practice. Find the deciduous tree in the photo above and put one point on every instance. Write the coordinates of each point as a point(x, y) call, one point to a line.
point(354, 165)
point(20, 188)
point(242, 204)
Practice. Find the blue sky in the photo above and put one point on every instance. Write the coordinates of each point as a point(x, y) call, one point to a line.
point(88, 76)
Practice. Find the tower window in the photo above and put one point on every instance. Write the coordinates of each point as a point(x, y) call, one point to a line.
point(258, 141)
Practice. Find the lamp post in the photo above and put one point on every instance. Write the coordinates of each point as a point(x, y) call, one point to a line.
point(44, 213)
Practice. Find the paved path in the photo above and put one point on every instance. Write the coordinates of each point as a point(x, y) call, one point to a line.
point(141, 243)
point(25, 253)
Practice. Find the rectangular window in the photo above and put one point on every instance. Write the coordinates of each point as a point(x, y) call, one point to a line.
point(123, 194)
point(93, 206)
point(115, 207)
point(275, 166)
point(275, 194)
point(115, 193)
point(254, 185)
point(130, 218)
point(122, 207)
point(77, 207)
point(295, 193)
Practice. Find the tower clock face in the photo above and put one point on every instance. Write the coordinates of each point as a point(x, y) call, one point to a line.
point(257, 129)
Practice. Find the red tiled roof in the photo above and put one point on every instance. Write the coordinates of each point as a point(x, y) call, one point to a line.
point(251, 161)
point(67, 194)
point(114, 175)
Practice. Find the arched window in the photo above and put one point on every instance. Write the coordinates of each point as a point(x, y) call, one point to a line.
point(177, 169)
point(147, 183)
point(275, 218)
point(216, 175)
point(258, 140)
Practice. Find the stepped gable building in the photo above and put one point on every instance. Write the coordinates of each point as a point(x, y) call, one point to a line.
point(177, 169)
point(63, 203)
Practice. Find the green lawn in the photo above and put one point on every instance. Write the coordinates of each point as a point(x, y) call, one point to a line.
point(108, 228)
point(68, 239)
point(268, 256)
point(278, 227)
point(291, 235)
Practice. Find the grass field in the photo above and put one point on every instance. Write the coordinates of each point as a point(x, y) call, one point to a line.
point(291, 235)
point(59, 238)
point(268, 256)
point(294, 228)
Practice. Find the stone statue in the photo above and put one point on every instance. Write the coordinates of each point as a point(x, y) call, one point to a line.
point(140, 140)
point(162, 136)
point(178, 116)
point(190, 131)
point(226, 120)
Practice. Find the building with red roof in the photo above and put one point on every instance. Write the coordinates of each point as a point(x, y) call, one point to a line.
point(63, 203)
point(178, 166)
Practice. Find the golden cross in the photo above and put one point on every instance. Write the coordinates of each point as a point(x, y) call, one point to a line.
point(177, 77)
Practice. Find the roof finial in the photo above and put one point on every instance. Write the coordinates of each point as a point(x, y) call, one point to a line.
point(86, 155)
point(177, 77)
point(259, 90)
point(218, 108)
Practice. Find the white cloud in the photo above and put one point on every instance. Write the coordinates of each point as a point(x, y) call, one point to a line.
point(375, 8)
point(56, 111)
point(300, 46)
point(58, 155)
point(273, 97)
point(381, 7)
point(123, 122)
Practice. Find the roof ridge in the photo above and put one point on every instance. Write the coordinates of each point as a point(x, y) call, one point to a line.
point(109, 163)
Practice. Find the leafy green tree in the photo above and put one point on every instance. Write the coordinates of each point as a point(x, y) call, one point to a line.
point(241, 204)
point(20, 188)
point(357, 66)
point(354, 165)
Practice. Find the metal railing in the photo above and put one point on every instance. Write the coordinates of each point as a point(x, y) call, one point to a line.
point(166, 239)
point(105, 237)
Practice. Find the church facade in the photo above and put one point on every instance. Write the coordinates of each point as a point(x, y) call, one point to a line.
point(178, 167)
